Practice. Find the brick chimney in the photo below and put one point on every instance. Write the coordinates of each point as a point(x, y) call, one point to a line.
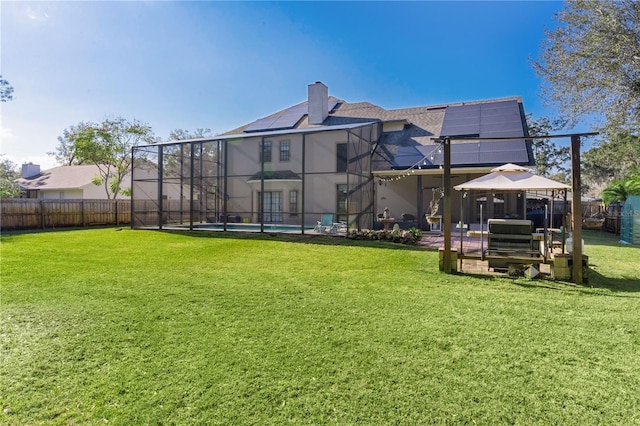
point(30, 170)
point(318, 102)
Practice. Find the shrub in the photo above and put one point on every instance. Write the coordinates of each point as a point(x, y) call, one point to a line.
point(412, 236)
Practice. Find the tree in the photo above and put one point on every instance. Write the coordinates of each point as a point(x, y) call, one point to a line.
point(619, 190)
point(180, 134)
point(65, 152)
point(108, 146)
point(552, 160)
point(6, 90)
point(177, 160)
point(591, 62)
point(8, 173)
point(613, 158)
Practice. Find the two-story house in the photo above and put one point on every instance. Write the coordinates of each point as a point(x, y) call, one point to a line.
point(326, 155)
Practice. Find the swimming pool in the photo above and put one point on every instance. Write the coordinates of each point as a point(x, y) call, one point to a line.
point(247, 227)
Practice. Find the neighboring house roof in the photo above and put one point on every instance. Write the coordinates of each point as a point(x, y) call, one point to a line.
point(60, 178)
point(412, 138)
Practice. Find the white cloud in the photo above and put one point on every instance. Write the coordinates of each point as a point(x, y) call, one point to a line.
point(6, 135)
point(26, 140)
point(7, 138)
point(36, 15)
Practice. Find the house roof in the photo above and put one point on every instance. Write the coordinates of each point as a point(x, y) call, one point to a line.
point(414, 133)
point(401, 147)
point(59, 178)
point(268, 133)
point(344, 113)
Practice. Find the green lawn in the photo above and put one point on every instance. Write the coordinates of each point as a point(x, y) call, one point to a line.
point(141, 327)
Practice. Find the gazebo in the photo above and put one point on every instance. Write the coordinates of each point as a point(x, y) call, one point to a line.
point(511, 177)
point(576, 185)
point(514, 178)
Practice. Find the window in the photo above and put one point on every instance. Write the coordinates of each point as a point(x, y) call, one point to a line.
point(284, 150)
point(341, 201)
point(265, 152)
point(272, 207)
point(293, 203)
point(341, 158)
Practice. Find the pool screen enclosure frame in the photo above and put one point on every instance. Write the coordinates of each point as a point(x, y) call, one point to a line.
point(279, 180)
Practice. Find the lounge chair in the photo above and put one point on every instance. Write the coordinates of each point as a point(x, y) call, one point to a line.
point(326, 224)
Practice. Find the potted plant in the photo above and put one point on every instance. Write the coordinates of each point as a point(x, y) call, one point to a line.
point(434, 206)
point(433, 219)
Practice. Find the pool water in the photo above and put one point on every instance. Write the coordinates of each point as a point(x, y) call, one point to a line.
point(251, 227)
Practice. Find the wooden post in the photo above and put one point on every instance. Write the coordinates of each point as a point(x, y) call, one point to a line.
point(576, 209)
point(481, 235)
point(446, 208)
point(420, 203)
point(463, 195)
point(42, 222)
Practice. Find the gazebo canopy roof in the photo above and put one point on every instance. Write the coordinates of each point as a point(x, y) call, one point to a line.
point(510, 177)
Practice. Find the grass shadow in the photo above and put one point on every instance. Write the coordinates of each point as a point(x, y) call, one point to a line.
point(299, 238)
point(595, 281)
point(480, 276)
point(602, 238)
point(8, 235)
point(627, 285)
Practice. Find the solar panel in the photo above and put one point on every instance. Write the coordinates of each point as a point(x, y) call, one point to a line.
point(261, 124)
point(463, 154)
point(495, 119)
point(469, 129)
point(461, 120)
point(502, 152)
point(407, 156)
point(286, 119)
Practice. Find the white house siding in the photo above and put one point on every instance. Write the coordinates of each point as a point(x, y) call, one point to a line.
point(61, 194)
point(98, 192)
point(321, 178)
point(398, 196)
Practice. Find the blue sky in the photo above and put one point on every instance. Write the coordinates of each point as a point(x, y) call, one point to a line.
point(219, 65)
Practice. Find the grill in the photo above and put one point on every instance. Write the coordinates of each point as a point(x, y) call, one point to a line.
point(510, 241)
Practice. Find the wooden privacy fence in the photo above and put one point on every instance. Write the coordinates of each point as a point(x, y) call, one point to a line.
point(18, 214)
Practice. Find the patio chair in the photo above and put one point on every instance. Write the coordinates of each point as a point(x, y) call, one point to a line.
point(326, 224)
